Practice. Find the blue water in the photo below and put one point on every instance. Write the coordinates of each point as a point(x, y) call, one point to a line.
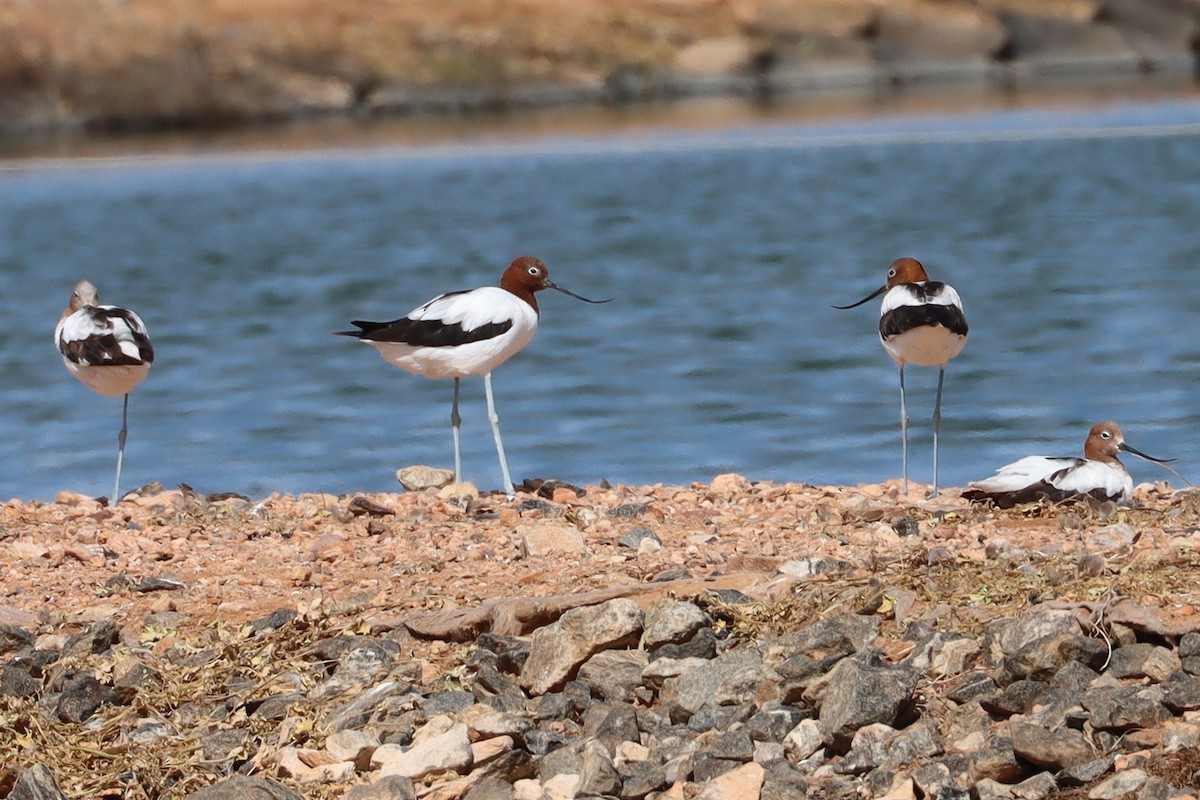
point(1071, 235)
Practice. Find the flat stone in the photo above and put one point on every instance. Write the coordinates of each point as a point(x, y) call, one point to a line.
point(840, 635)
point(1118, 785)
point(559, 649)
point(36, 783)
point(1143, 660)
point(1182, 694)
point(671, 621)
point(804, 739)
point(543, 538)
point(1124, 708)
point(1035, 787)
point(418, 478)
point(1056, 749)
point(450, 750)
point(241, 787)
point(698, 686)
point(390, 787)
point(352, 745)
point(743, 783)
point(996, 760)
point(858, 695)
point(614, 675)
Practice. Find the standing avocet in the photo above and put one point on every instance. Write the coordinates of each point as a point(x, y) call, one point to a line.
point(1099, 474)
point(459, 334)
point(921, 322)
point(108, 349)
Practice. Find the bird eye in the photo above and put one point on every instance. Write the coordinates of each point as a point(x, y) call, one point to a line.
point(891, 273)
point(534, 270)
point(1105, 435)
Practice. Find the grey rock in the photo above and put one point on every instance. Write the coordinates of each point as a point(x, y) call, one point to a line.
point(868, 749)
point(1189, 645)
point(706, 767)
point(510, 651)
point(640, 778)
point(1035, 787)
point(98, 638)
point(619, 724)
point(497, 689)
point(273, 621)
point(598, 776)
point(541, 742)
point(996, 761)
point(559, 649)
point(614, 675)
point(559, 761)
point(13, 639)
point(858, 694)
point(452, 703)
point(358, 711)
point(390, 787)
point(275, 707)
point(1118, 785)
point(1123, 708)
point(773, 724)
point(1056, 749)
point(1016, 698)
point(634, 537)
point(698, 686)
point(1042, 658)
point(734, 745)
point(358, 668)
point(702, 645)
point(1142, 660)
point(36, 783)
point(840, 635)
point(241, 787)
point(24, 675)
point(80, 699)
point(671, 621)
point(920, 740)
point(972, 686)
point(1085, 773)
point(222, 745)
point(1182, 694)
point(1005, 637)
point(489, 789)
point(1074, 678)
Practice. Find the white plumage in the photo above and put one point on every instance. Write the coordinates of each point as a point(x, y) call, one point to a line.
point(460, 334)
point(1099, 474)
point(472, 311)
point(108, 349)
point(920, 322)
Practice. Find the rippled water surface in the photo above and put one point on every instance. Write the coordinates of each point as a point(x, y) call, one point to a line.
point(1073, 237)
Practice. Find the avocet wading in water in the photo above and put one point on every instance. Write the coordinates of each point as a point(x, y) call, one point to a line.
point(921, 322)
point(108, 349)
point(459, 334)
point(1099, 474)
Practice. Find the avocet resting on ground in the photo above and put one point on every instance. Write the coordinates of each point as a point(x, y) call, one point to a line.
point(459, 334)
point(1098, 474)
point(108, 349)
point(921, 322)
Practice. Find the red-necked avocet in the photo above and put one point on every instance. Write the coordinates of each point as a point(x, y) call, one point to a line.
point(1099, 474)
point(921, 322)
point(108, 349)
point(459, 334)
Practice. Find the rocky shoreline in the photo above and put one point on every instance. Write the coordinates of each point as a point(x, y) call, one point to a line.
point(727, 640)
point(83, 66)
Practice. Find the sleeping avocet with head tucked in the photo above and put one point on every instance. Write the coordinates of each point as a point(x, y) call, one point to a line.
point(459, 334)
point(1099, 474)
point(108, 349)
point(921, 322)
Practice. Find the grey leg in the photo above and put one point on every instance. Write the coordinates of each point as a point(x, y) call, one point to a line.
point(937, 422)
point(903, 429)
point(455, 424)
point(495, 420)
point(121, 449)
